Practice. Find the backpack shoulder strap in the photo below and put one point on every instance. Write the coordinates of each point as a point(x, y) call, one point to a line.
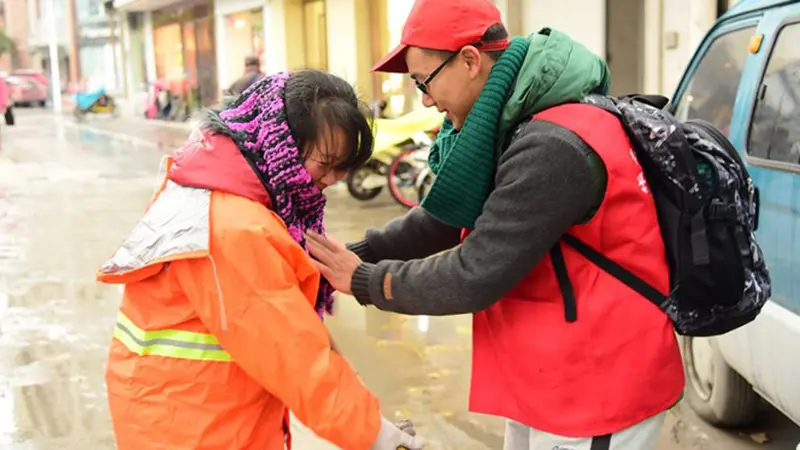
point(595, 126)
point(615, 270)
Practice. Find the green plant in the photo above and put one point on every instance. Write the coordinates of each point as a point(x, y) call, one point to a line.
point(7, 44)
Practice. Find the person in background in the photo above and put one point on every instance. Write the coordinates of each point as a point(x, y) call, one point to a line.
point(252, 73)
point(219, 333)
point(570, 356)
point(6, 102)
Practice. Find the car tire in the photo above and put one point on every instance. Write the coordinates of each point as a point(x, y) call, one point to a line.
point(43, 103)
point(715, 391)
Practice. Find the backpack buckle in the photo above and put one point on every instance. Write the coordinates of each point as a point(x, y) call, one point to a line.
point(721, 211)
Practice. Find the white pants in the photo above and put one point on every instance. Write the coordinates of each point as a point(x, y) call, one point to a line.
point(642, 436)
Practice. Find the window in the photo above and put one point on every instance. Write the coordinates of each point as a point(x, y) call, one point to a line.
point(89, 9)
point(711, 91)
point(775, 127)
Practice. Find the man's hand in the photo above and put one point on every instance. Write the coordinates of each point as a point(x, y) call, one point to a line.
point(334, 261)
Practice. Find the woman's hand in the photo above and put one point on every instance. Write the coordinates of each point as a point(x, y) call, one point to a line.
point(397, 437)
point(334, 261)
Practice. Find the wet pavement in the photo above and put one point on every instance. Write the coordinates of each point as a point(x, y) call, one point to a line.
point(70, 193)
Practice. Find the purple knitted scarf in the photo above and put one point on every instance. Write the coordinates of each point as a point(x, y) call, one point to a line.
point(258, 120)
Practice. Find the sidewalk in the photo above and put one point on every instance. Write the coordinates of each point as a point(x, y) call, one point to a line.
point(128, 112)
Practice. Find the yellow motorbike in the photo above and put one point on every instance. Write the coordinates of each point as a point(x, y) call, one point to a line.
point(393, 137)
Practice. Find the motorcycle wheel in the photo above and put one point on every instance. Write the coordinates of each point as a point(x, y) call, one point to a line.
point(403, 170)
point(425, 186)
point(355, 179)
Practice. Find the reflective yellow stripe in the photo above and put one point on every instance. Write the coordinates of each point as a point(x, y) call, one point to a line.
point(169, 343)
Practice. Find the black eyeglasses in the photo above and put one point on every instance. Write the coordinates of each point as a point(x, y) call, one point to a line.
point(423, 85)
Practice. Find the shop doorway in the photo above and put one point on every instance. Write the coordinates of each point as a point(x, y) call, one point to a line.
point(185, 53)
point(625, 45)
point(206, 62)
point(168, 44)
point(244, 36)
point(316, 34)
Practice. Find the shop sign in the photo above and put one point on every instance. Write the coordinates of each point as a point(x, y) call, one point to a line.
point(94, 34)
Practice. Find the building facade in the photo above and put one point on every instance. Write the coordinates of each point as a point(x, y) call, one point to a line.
point(646, 42)
point(172, 42)
point(14, 20)
point(98, 48)
point(40, 32)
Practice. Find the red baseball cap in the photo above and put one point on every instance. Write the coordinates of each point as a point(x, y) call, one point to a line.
point(447, 25)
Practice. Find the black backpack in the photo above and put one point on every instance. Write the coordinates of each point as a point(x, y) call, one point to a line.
point(707, 208)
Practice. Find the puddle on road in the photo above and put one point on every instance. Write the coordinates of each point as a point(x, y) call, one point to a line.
point(55, 321)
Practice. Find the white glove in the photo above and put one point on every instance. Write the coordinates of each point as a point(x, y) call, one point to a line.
point(390, 437)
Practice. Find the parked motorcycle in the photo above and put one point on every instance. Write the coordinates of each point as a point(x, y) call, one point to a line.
point(407, 171)
point(424, 182)
point(94, 102)
point(392, 138)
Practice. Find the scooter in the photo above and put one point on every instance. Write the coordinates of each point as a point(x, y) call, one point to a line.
point(95, 102)
point(392, 138)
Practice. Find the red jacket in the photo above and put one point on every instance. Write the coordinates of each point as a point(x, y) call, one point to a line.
point(619, 363)
point(5, 95)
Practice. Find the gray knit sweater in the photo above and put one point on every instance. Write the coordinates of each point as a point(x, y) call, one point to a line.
point(547, 181)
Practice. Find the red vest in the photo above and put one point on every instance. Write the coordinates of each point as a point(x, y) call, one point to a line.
point(619, 363)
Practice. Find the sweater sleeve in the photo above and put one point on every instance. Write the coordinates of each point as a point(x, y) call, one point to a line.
point(414, 235)
point(545, 183)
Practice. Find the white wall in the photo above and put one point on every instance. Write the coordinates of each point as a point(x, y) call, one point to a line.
point(685, 24)
point(341, 22)
point(587, 27)
point(688, 20)
point(149, 48)
point(502, 5)
point(275, 32)
point(652, 47)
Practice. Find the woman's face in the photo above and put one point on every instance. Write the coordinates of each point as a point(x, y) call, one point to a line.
point(325, 158)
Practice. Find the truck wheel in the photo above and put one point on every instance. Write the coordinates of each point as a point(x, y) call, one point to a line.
point(713, 389)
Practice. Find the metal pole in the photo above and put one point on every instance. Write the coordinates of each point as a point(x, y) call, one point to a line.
point(55, 72)
point(112, 40)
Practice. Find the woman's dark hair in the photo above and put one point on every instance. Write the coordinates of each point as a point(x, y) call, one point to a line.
point(495, 32)
point(317, 105)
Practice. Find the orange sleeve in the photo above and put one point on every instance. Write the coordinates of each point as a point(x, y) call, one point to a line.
point(271, 330)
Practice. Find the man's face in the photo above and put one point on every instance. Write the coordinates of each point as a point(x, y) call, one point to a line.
point(456, 83)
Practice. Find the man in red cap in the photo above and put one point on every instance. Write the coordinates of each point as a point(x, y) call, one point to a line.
point(569, 355)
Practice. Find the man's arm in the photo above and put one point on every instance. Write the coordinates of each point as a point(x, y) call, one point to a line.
point(414, 235)
point(544, 185)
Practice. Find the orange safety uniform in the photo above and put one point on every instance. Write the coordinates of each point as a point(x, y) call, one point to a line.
point(217, 336)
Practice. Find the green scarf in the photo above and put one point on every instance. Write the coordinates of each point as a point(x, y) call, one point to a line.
point(543, 70)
